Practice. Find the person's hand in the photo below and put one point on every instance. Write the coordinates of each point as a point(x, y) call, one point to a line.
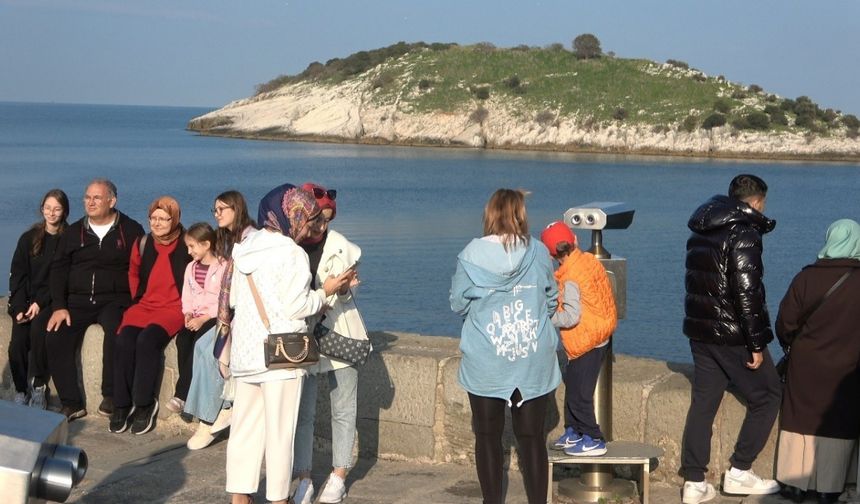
point(21, 318)
point(334, 284)
point(196, 323)
point(32, 311)
point(757, 359)
point(57, 319)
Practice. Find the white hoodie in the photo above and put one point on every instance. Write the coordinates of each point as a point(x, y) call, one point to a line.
point(281, 272)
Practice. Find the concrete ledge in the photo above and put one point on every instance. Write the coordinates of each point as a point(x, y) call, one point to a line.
point(412, 408)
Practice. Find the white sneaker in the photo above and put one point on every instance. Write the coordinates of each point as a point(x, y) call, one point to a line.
point(202, 437)
point(305, 492)
point(21, 398)
point(334, 490)
point(696, 492)
point(38, 397)
point(748, 483)
point(222, 421)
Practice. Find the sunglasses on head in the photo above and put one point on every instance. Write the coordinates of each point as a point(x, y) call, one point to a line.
point(320, 193)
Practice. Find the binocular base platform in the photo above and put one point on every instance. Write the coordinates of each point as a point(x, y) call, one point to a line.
point(595, 484)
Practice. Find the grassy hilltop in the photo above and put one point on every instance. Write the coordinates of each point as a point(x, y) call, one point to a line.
point(543, 84)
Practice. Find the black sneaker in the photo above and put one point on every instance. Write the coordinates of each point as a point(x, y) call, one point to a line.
point(120, 419)
point(73, 412)
point(106, 407)
point(144, 418)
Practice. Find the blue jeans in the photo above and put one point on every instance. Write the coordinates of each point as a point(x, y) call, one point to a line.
point(343, 384)
point(204, 394)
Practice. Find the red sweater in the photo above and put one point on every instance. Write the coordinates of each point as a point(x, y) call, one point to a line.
point(160, 304)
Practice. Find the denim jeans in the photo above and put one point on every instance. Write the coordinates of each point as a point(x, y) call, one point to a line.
point(343, 384)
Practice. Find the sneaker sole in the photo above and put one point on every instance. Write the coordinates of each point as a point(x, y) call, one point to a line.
point(76, 415)
point(705, 498)
point(126, 425)
point(749, 491)
point(104, 413)
point(590, 453)
point(151, 424)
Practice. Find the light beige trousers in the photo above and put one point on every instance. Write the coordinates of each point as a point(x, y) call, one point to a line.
point(264, 424)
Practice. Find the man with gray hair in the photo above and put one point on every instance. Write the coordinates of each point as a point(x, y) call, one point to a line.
point(89, 285)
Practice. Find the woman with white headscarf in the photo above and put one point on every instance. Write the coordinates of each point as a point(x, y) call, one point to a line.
point(819, 321)
point(266, 402)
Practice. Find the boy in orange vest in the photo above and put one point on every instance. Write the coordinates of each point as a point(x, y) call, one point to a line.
point(585, 343)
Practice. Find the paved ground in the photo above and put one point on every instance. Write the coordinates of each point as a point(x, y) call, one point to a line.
point(157, 468)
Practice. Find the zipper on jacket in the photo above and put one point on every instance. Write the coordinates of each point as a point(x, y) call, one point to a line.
point(93, 290)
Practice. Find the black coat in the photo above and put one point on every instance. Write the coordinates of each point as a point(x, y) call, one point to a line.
point(823, 380)
point(725, 300)
point(87, 270)
point(28, 276)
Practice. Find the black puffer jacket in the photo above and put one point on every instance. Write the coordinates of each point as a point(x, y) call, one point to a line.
point(725, 302)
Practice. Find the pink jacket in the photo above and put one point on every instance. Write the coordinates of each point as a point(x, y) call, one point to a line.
point(202, 301)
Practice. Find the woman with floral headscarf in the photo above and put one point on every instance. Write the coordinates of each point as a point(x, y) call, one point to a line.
point(155, 275)
point(820, 416)
point(266, 402)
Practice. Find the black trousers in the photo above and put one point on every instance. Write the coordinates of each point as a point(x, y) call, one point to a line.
point(139, 352)
point(488, 424)
point(716, 368)
point(64, 343)
point(27, 354)
point(580, 378)
point(185, 341)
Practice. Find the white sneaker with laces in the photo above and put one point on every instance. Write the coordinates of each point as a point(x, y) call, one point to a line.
point(696, 492)
point(747, 483)
point(334, 490)
point(38, 397)
point(305, 492)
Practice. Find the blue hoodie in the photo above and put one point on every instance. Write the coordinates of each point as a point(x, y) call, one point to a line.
point(506, 298)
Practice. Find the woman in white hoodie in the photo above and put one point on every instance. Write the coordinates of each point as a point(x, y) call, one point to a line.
point(266, 402)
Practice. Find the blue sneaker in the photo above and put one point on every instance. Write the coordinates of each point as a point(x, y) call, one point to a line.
point(567, 440)
point(587, 447)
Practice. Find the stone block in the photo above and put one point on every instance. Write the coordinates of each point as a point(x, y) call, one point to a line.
point(90, 367)
point(6, 384)
point(666, 410)
point(456, 438)
point(395, 440)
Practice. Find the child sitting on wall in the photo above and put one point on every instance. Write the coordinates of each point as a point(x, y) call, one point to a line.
point(585, 340)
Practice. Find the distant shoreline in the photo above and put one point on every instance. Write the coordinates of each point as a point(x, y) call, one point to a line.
point(569, 148)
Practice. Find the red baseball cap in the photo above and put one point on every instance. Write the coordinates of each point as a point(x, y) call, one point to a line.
point(555, 233)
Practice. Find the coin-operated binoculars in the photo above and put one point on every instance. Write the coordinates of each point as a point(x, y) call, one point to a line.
point(597, 480)
point(35, 463)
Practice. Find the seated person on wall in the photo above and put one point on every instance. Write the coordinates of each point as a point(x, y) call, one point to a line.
point(155, 275)
point(30, 300)
point(89, 285)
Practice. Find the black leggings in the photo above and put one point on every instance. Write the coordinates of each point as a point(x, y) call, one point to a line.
point(139, 352)
point(488, 424)
point(185, 341)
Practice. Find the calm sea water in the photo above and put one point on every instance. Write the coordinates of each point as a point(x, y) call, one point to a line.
point(413, 209)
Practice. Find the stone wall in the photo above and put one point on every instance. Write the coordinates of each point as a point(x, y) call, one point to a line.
point(410, 406)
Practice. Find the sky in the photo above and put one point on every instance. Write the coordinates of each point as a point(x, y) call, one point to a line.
point(209, 52)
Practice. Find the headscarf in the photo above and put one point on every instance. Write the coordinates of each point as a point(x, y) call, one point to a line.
point(313, 246)
point(286, 209)
point(842, 241)
point(171, 206)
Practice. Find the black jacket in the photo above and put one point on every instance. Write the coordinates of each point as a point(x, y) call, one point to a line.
point(28, 276)
point(725, 301)
point(88, 270)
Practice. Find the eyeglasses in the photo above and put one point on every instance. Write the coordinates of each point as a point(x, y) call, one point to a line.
point(160, 220)
point(52, 210)
point(218, 209)
point(320, 193)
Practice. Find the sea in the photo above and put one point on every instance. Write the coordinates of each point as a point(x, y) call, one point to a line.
point(412, 210)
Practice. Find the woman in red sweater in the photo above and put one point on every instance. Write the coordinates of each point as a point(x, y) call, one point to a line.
point(155, 277)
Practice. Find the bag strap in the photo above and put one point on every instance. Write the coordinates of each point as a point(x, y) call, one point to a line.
point(813, 308)
point(259, 302)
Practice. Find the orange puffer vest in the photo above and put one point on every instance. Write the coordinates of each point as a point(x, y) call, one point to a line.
point(599, 318)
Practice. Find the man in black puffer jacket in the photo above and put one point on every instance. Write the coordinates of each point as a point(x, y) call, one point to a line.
point(729, 328)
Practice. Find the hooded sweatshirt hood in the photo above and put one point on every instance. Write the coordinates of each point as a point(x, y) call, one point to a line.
point(722, 211)
point(253, 251)
point(491, 267)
